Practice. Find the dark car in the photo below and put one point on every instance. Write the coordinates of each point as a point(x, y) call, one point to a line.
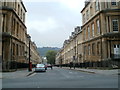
point(49, 66)
point(45, 66)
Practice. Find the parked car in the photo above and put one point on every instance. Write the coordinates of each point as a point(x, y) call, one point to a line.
point(40, 67)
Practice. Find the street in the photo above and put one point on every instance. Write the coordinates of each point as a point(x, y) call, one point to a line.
point(62, 78)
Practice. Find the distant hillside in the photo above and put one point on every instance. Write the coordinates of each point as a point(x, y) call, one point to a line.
point(43, 50)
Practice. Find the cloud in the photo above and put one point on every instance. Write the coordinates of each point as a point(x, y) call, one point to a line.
point(72, 4)
point(43, 25)
point(50, 23)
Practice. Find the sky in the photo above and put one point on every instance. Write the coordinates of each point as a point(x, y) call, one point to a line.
point(50, 22)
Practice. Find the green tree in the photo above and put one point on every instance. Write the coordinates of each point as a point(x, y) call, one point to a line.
point(50, 55)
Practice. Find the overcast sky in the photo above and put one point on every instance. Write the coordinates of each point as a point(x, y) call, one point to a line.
point(50, 22)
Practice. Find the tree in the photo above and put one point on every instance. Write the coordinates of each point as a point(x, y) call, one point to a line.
point(50, 55)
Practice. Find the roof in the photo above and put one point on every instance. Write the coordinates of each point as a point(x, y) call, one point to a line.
point(87, 2)
point(23, 5)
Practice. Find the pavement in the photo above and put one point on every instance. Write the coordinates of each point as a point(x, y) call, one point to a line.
point(97, 71)
point(16, 74)
point(24, 72)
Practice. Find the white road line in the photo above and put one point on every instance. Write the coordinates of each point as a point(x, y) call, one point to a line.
point(32, 75)
point(70, 72)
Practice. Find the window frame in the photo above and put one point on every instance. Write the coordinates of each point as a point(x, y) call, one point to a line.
point(93, 49)
point(98, 26)
point(89, 50)
point(93, 29)
point(84, 19)
point(97, 5)
point(87, 14)
point(88, 29)
point(115, 26)
point(98, 48)
point(85, 50)
point(113, 2)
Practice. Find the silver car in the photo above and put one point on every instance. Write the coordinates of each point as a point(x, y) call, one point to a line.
point(40, 67)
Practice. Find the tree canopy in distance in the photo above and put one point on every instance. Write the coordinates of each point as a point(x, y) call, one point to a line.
point(50, 55)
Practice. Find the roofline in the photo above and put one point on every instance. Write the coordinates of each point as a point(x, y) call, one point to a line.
point(85, 7)
point(23, 5)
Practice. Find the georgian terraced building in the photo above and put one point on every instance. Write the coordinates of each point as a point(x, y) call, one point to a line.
point(100, 35)
point(15, 41)
point(71, 51)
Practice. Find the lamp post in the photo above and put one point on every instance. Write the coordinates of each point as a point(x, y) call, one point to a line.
point(29, 67)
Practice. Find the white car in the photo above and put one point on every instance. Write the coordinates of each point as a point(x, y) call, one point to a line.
point(40, 67)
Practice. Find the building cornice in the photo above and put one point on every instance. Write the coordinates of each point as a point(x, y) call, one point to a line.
point(102, 11)
point(6, 34)
point(86, 4)
point(107, 35)
point(23, 5)
point(11, 9)
point(111, 10)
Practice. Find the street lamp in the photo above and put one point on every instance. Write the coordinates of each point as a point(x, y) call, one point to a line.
point(29, 64)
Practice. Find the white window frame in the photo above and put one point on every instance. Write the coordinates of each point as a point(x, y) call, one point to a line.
point(115, 26)
point(87, 14)
point(93, 29)
point(4, 3)
point(98, 48)
point(85, 34)
point(85, 50)
point(91, 10)
point(2, 21)
point(83, 18)
point(88, 28)
point(97, 5)
point(98, 26)
point(89, 50)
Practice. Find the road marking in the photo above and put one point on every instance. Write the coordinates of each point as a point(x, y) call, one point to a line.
point(32, 75)
point(70, 72)
point(73, 72)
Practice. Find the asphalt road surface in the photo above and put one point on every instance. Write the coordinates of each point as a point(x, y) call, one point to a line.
point(62, 78)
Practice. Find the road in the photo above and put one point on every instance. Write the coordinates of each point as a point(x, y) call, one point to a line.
point(62, 78)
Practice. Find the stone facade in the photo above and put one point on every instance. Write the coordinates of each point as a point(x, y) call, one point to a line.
point(100, 35)
point(14, 36)
point(71, 51)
